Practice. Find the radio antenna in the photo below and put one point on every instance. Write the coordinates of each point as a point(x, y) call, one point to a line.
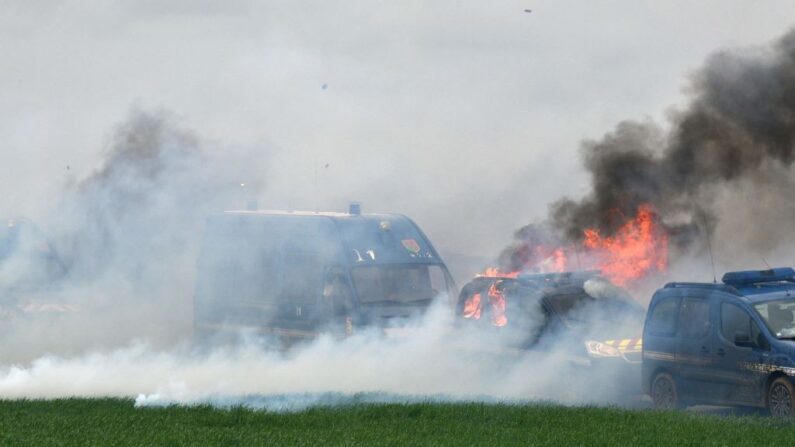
point(709, 247)
point(765, 261)
point(577, 255)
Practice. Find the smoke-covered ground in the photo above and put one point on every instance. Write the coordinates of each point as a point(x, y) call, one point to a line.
point(427, 361)
point(127, 229)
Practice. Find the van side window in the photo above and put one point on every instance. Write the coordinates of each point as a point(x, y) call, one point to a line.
point(758, 337)
point(302, 278)
point(663, 317)
point(337, 295)
point(694, 318)
point(734, 319)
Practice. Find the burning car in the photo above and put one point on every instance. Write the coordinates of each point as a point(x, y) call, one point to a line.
point(297, 274)
point(579, 313)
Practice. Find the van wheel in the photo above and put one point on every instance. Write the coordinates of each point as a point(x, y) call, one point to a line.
point(664, 394)
point(780, 398)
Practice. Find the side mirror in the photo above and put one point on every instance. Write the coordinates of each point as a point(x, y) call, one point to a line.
point(743, 339)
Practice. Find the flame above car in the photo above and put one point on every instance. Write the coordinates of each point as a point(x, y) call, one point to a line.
point(636, 250)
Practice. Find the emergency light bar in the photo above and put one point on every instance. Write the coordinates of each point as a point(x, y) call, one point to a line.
point(750, 277)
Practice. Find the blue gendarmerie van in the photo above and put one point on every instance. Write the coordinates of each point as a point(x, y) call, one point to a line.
point(294, 275)
point(729, 343)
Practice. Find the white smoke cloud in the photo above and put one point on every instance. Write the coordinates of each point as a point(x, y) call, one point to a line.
point(428, 361)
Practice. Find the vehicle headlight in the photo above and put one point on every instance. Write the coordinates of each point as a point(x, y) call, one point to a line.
point(599, 349)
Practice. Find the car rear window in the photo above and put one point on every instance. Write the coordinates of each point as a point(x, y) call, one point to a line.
point(663, 317)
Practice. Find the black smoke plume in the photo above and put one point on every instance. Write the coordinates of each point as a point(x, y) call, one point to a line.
point(149, 198)
point(738, 127)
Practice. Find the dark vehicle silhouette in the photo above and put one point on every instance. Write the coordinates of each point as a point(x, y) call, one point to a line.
point(727, 344)
point(30, 272)
point(295, 275)
point(578, 313)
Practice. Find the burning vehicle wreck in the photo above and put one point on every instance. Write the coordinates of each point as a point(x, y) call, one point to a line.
point(580, 314)
point(586, 315)
point(295, 275)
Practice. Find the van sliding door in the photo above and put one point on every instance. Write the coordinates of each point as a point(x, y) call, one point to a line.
point(694, 355)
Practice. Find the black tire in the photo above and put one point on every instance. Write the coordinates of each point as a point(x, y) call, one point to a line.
point(781, 398)
point(664, 392)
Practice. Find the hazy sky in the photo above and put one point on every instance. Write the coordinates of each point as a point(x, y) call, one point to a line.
point(467, 116)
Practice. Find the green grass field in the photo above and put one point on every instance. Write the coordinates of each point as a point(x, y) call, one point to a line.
point(117, 422)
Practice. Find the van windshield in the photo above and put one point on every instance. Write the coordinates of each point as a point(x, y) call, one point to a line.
point(399, 284)
point(778, 316)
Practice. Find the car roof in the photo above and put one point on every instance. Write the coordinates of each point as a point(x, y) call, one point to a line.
point(548, 286)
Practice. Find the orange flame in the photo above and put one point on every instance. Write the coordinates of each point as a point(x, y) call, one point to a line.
point(472, 307)
point(494, 272)
point(638, 248)
point(497, 301)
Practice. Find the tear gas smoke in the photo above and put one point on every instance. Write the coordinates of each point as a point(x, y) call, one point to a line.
point(428, 360)
point(127, 238)
point(157, 185)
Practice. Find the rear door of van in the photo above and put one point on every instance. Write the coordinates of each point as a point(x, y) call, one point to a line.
point(694, 355)
point(659, 336)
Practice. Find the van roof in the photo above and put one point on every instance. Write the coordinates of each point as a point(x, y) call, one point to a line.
point(301, 213)
point(367, 239)
point(754, 285)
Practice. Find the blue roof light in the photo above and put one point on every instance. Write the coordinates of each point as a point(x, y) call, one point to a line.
point(751, 277)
